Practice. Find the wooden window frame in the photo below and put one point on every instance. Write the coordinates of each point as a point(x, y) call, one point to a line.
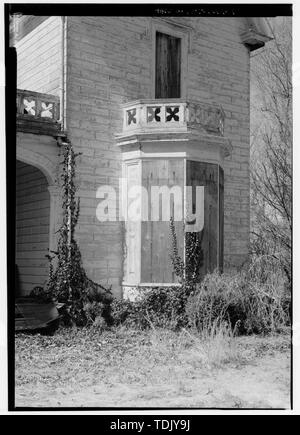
point(177, 32)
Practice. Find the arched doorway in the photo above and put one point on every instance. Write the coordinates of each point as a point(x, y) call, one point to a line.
point(32, 227)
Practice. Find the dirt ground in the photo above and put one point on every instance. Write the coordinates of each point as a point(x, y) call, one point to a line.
point(136, 369)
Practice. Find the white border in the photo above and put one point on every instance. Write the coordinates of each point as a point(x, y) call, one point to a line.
point(296, 201)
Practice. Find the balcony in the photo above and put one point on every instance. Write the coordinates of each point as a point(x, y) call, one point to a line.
point(171, 116)
point(173, 126)
point(37, 113)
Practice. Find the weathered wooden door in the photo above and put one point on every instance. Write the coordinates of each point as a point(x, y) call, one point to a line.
point(207, 175)
point(156, 237)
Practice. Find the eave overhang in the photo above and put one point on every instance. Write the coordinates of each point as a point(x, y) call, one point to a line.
point(257, 33)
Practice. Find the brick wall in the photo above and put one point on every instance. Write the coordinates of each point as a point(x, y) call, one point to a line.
point(110, 62)
point(32, 226)
point(219, 68)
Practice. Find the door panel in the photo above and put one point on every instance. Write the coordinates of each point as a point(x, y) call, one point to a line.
point(156, 265)
point(206, 174)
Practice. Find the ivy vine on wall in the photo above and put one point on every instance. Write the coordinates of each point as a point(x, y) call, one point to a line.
point(188, 270)
point(85, 301)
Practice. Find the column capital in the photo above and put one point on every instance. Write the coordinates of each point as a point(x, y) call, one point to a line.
point(54, 190)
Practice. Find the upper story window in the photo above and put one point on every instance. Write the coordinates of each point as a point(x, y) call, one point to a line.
point(170, 45)
point(167, 66)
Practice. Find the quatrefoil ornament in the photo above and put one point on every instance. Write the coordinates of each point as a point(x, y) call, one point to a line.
point(47, 110)
point(196, 115)
point(29, 107)
point(171, 114)
point(153, 114)
point(131, 116)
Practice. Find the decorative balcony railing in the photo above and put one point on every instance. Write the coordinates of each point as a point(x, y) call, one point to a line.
point(146, 116)
point(37, 105)
point(37, 113)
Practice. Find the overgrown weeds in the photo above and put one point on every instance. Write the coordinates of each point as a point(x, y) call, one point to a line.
point(163, 307)
point(217, 344)
point(253, 300)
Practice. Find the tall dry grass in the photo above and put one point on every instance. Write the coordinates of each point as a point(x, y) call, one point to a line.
point(207, 349)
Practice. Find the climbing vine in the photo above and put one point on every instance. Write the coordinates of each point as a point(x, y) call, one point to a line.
point(85, 301)
point(188, 270)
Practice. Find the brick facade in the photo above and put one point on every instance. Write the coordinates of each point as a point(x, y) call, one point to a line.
point(109, 61)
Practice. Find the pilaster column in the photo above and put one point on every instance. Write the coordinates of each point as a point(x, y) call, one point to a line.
point(55, 215)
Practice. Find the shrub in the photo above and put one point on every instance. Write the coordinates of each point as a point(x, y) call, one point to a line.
point(165, 306)
point(255, 300)
point(93, 311)
point(124, 312)
point(216, 300)
point(162, 307)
